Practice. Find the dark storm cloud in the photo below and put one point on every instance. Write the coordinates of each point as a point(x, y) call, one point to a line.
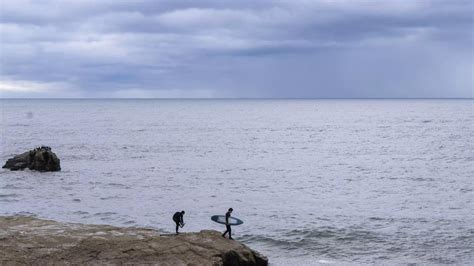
point(236, 48)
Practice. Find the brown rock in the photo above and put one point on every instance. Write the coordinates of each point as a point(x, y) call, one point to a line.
point(27, 240)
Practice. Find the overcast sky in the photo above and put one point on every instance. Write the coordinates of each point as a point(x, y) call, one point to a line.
point(264, 49)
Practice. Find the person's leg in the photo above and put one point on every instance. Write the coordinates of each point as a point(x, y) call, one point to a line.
point(227, 230)
point(177, 226)
point(176, 222)
point(230, 232)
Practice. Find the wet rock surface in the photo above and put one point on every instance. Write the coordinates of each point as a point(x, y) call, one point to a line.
point(40, 159)
point(28, 240)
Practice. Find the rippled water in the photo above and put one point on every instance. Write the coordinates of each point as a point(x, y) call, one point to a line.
point(316, 181)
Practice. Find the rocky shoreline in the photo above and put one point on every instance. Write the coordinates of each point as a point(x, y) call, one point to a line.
point(28, 240)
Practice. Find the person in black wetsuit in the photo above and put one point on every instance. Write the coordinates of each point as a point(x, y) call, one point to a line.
point(227, 224)
point(178, 219)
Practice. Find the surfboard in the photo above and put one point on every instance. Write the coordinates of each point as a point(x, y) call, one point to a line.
point(220, 219)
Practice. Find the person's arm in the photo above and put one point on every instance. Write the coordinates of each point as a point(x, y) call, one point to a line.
point(182, 220)
point(227, 215)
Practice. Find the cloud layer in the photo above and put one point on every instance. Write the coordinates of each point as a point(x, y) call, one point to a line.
point(306, 49)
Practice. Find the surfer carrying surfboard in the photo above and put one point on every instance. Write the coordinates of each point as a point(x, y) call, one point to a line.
point(227, 224)
point(178, 219)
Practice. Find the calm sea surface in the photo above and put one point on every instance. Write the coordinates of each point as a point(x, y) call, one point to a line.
point(316, 181)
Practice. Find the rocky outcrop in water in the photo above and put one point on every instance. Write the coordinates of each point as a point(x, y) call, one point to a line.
point(41, 159)
point(30, 241)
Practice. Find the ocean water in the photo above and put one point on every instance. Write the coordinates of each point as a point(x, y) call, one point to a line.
point(315, 181)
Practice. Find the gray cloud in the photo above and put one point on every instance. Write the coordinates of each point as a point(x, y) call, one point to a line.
point(237, 48)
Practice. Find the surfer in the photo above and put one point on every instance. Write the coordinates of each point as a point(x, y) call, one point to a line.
point(178, 219)
point(227, 224)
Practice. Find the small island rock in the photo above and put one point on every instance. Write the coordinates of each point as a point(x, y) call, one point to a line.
point(40, 159)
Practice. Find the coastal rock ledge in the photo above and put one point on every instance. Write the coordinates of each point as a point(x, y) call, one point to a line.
point(26, 240)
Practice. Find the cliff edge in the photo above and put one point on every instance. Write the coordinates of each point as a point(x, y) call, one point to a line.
point(28, 240)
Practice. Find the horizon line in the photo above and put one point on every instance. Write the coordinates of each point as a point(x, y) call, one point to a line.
point(246, 98)
point(216, 99)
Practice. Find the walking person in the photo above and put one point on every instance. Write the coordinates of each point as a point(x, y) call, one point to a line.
point(178, 219)
point(227, 224)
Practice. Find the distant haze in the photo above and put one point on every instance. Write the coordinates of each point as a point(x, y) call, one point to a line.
point(235, 49)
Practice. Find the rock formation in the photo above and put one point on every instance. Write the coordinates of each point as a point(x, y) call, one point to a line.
point(27, 241)
point(41, 159)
